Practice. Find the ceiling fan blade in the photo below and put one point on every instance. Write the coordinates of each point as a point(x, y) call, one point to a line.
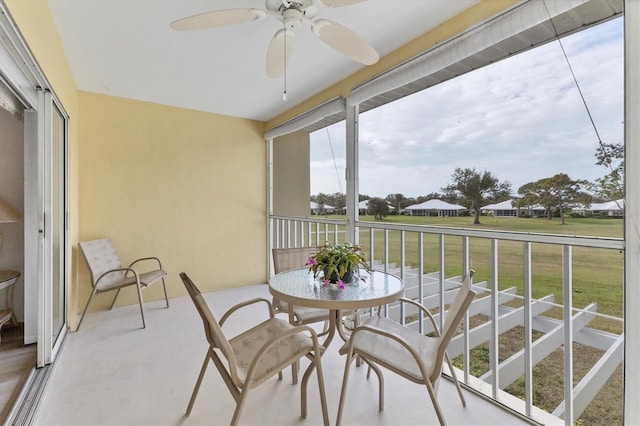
point(218, 18)
point(339, 3)
point(279, 52)
point(345, 41)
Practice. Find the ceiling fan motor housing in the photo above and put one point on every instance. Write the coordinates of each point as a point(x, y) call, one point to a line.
point(292, 19)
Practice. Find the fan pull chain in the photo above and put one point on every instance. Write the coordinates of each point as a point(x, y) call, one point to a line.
point(284, 55)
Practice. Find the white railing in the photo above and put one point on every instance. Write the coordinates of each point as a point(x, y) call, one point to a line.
point(431, 260)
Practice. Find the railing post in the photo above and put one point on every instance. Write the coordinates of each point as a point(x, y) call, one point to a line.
point(567, 302)
point(528, 367)
point(465, 321)
point(494, 350)
point(421, 281)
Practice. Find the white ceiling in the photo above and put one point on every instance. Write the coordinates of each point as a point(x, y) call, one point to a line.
point(125, 48)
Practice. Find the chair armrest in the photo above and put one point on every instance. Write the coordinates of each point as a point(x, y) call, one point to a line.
point(126, 270)
point(234, 308)
point(147, 258)
point(424, 310)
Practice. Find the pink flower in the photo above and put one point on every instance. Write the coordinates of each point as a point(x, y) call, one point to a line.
point(311, 262)
point(340, 284)
point(325, 282)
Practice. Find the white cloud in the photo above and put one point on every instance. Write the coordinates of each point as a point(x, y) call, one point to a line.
point(522, 119)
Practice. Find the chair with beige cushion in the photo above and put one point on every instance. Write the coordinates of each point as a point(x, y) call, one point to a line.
point(250, 358)
point(286, 259)
point(108, 274)
point(405, 351)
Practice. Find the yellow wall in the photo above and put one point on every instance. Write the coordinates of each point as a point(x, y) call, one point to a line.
point(291, 174)
point(188, 187)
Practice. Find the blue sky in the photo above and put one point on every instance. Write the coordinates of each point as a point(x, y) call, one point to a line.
point(522, 119)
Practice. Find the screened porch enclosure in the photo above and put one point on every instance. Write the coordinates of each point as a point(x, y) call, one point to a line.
point(533, 321)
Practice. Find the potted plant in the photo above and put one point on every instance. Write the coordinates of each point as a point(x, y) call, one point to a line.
point(338, 263)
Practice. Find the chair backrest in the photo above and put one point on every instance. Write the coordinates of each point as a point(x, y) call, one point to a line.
point(212, 329)
point(457, 309)
point(101, 257)
point(285, 259)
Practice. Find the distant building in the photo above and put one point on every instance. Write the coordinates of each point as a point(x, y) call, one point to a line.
point(317, 208)
point(507, 209)
point(435, 207)
point(610, 208)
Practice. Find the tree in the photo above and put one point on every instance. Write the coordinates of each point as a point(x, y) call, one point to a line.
point(398, 201)
point(321, 199)
point(609, 187)
point(378, 208)
point(556, 191)
point(473, 186)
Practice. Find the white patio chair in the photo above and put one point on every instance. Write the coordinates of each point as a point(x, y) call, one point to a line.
point(416, 357)
point(256, 354)
point(108, 274)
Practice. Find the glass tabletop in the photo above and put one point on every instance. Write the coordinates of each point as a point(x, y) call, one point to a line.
point(300, 288)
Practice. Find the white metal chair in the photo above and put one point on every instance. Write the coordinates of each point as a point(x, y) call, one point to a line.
point(107, 273)
point(416, 357)
point(257, 354)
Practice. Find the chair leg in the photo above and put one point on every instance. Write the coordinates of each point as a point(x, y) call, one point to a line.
point(380, 381)
point(144, 324)
point(236, 413)
point(343, 391)
point(323, 395)
point(295, 367)
point(166, 298)
point(455, 380)
point(434, 400)
point(113, 302)
point(85, 308)
point(198, 383)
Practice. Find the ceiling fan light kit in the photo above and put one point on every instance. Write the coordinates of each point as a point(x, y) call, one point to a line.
point(292, 14)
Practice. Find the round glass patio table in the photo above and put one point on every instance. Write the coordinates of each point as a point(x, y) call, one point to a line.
point(298, 287)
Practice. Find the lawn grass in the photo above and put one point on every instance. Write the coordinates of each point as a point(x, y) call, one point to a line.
point(597, 273)
point(597, 277)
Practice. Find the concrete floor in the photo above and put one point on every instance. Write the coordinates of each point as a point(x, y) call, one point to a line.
point(112, 372)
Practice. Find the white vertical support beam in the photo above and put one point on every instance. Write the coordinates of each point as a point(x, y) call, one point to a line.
point(270, 227)
point(352, 172)
point(528, 366)
point(567, 303)
point(632, 212)
point(295, 233)
point(494, 350)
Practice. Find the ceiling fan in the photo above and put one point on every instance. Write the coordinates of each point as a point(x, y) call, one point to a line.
point(292, 13)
